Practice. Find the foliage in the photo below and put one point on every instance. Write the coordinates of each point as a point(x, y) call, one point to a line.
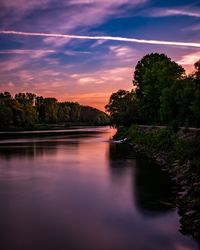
point(93, 116)
point(25, 98)
point(180, 103)
point(152, 138)
point(26, 111)
point(163, 95)
point(152, 74)
point(123, 108)
point(6, 116)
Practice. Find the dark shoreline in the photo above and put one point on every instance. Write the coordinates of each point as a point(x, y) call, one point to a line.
point(178, 157)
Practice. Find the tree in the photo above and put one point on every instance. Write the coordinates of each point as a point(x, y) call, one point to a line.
point(26, 109)
point(50, 110)
point(5, 96)
point(6, 116)
point(197, 72)
point(123, 108)
point(195, 105)
point(176, 101)
point(75, 109)
point(25, 113)
point(25, 98)
point(154, 73)
point(63, 112)
point(39, 104)
point(31, 116)
point(6, 110)
point(93, 116)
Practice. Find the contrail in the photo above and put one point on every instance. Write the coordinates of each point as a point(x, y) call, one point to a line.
point(112, 38)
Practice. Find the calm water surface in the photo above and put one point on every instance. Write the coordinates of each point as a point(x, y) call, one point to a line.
point(81, 191)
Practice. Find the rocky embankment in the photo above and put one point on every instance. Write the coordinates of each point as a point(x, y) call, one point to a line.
point(179, 155)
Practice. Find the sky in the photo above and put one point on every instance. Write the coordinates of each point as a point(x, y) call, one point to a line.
point(83, 50)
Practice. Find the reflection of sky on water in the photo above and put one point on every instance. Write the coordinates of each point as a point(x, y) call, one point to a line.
point(81, 193)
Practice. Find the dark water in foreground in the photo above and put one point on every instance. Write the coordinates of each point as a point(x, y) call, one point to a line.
point(80, 191)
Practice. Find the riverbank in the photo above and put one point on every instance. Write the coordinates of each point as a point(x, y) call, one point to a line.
point(178, 155)
point(50, 127)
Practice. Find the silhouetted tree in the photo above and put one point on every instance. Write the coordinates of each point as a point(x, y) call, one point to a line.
point(25, 98)
point(50, 110)
point(26, 110)
point(6, 116)
point(154, 73)
point(93, 116)
point(123, 108)
point(63, 112)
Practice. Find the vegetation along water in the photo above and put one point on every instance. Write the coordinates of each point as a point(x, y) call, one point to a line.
point(160, 117)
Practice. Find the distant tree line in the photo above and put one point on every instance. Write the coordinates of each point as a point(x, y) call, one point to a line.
point(163, 95)
point(26, 111)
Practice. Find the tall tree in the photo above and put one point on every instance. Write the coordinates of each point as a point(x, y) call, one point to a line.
point(50, 110)
point(63, 112)
point(152, 74)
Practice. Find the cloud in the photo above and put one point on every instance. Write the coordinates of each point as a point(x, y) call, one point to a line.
point(75, 52)
point(55, 41)
point(112, 78)
point(123, 53)
point(111, 38)
point(189, 58)
point(162, 12)
point(68, 15)
point(174, 12)
point(22, 7)
point(89, 80)
point(31, 52)
point(59, 83)
point(98, 43)
point(12, 64)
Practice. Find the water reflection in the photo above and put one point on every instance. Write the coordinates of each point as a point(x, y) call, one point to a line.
point(31, 145)
point(152, 189)
point(34, 149)
point(82, 192)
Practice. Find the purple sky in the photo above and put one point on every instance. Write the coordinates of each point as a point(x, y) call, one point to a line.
point(87, 68)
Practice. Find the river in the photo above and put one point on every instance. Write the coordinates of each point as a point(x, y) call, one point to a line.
point(79, 190)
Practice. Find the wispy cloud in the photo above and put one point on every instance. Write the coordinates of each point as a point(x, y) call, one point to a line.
point(123, 53)
point(68, 15)
point(162, 12)
point(112, 77)
point(12, 64)
point(174, 12)
point(75, 52)
point(112, 38)
point(37, 53)
point(189, 58)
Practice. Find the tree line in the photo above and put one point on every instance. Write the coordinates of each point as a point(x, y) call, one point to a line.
point(163, 95)
point(27, 111)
